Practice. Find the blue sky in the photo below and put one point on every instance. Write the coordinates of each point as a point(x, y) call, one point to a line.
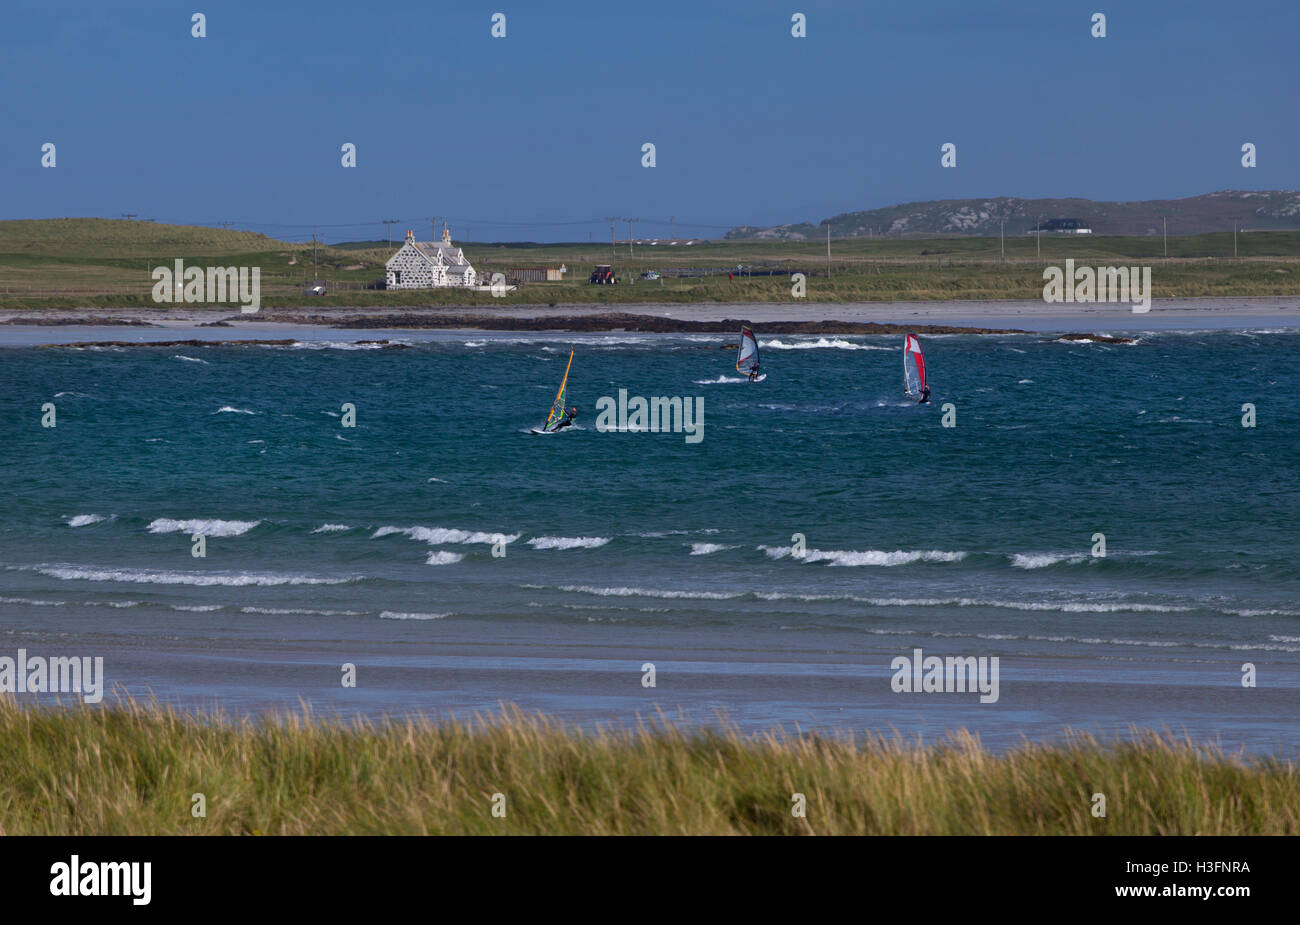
point(535, 135)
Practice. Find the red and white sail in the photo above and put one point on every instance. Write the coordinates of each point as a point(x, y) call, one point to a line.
point(747, 358)
point(913, 366)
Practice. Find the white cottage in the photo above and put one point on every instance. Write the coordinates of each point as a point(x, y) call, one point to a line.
point(429, 264)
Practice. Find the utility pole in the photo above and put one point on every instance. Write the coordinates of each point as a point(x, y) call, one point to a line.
point(1234, 240)
point(433, 227)
point(1039, 242)
point(613, 253)
point(390, 222)
point(1002, 238)
point(629, 237)
point(828, 250)
point(1166, 235)
point(672, 230)
point(314, 275)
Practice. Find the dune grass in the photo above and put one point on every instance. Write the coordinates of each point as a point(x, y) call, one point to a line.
point(134, 769)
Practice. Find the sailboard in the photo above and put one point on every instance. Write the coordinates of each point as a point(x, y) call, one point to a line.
point(747, 357)
point(913, 367)
point(556, 415)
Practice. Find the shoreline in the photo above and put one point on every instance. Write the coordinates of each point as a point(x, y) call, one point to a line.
point(144, 325)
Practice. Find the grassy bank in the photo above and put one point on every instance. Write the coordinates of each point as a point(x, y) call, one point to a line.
point(74, 263)
point(134, 770)
point(887, 283)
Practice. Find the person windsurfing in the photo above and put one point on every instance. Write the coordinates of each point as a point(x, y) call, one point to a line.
point(567, 419)
point(914, 371)
point(747, 357)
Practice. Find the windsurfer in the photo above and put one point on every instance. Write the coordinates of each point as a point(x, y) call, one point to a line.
point(925, 396)
point(567, 418)
point(753, 372)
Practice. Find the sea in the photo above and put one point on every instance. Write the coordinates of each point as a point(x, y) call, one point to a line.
point(1110, 527)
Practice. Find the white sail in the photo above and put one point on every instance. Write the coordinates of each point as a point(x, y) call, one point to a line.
point(747, 358)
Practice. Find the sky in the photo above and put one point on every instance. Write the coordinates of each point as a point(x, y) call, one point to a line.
point(538, 135)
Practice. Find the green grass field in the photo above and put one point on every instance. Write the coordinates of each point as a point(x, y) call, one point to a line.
point(134, 769)
point(72, 263)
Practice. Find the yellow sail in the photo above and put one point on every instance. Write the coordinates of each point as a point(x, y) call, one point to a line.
point(557, 407)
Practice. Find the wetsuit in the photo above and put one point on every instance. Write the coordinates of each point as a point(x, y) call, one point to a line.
point(925, 397)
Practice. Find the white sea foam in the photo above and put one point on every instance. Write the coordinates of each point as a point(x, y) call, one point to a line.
point(333, 345)
point(31, 602)
point(227, 409)
point(201, 579)
point(568, 542)
point(850, 557)
point(331, 528)
point(442, 557)
point(198, 608)
point(652, 592)
point(1049, 606)
point(205, 527)
point(181, 356)
point(435, 536)
point(722, 379)
point(286, 611)
point(655, 534)
point(1042, 560)
point(85, 520)
point(821, 343)
point(395, 615)
point(704, 549)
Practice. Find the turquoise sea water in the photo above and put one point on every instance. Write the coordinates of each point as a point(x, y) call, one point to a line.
point(373, 544)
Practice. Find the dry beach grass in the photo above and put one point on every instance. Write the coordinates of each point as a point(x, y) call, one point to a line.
point(134, 768)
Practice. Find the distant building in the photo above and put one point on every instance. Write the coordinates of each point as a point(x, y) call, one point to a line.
point(430, 265)
point(538, 274)
point(1065, 226)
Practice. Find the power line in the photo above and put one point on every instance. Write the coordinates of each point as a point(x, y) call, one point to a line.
point(390, 222)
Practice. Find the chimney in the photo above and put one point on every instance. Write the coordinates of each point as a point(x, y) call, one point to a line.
point(446, 234)
point(410, 236)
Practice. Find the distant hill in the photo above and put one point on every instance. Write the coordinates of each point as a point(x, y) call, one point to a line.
point(1253, 211)
point(109, 237)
